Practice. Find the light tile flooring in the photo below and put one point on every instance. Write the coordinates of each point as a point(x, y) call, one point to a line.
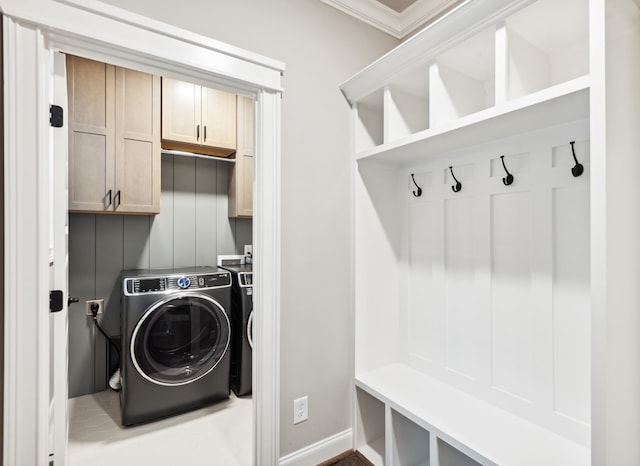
point(220, 434)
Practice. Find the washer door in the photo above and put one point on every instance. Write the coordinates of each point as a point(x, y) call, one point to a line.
point(180, 339)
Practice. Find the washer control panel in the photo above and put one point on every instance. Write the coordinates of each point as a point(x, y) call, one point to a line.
point(161, 284)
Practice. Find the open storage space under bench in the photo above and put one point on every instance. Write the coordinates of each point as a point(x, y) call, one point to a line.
point(432, 423)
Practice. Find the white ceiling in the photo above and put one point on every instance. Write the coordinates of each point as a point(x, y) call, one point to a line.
point(398, 18)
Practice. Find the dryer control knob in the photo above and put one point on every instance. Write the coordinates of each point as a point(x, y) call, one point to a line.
point(184, 282)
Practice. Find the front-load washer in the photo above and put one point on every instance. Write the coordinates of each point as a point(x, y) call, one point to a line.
point(241, 327)
point(176, 333)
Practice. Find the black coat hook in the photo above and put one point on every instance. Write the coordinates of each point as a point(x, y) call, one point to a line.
point(458, 186)
point(508, 180)
point(417, 193)
point(578, 168)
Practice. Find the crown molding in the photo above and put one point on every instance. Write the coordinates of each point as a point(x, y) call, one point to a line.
point(398, 25)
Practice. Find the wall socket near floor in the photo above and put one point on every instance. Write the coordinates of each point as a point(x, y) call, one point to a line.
point(300, 409)
point(89, 303)
point(248, 250)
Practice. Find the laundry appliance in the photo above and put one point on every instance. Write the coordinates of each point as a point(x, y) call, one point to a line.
point(176, 333)
point(242, 327)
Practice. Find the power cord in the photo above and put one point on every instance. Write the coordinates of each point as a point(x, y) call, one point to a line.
point(94, 312)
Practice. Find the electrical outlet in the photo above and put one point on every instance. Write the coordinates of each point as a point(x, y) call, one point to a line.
point(89, 303)
point(300, 409)
point(248, 250)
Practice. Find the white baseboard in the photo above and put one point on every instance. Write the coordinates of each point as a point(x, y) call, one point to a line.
point(320, 451)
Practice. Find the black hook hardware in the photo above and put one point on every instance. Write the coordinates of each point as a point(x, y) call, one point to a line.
point(458, 186)
point(508, 180)
point(419, 192)
point(578, 168)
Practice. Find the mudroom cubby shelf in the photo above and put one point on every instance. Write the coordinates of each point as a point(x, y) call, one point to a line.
point(472, 300)
point(549, 107)
point(501, 60)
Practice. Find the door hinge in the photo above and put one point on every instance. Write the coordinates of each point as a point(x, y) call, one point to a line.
point(56, 116)
point(56, 300)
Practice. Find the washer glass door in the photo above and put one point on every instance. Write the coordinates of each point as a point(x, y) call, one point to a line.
point(180, 339)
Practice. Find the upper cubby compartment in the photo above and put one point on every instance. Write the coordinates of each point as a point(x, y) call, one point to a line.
point(484, 71)
point(547, 43)
point(462, 79)
point(369, 121)
point(406, 104)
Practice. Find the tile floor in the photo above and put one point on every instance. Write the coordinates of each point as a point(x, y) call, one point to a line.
point(219, 434)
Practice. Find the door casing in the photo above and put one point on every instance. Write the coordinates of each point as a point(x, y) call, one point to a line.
point(32, 29)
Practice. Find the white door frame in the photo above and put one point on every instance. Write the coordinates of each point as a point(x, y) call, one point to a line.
point(31, 29)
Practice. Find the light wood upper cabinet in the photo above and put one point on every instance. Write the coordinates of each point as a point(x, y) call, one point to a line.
point(114, 139)
point(218, 119)
point(198, 119)
point(241, 183)
point(181, 111)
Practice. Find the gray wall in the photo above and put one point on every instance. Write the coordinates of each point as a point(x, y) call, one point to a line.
point(322, 47)
point(191, 230)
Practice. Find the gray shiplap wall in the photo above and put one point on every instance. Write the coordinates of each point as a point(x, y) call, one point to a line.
point(192, 229)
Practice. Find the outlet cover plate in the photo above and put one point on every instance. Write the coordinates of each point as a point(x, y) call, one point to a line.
point(300, 409)
point(87, 306)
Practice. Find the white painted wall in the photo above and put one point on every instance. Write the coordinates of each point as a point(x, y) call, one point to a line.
point(321, 47)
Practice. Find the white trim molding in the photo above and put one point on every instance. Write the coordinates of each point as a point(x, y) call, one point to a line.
point(266, 265)
point(32, 29)
point(26, 337)
point(323, 450)
point(396, 24)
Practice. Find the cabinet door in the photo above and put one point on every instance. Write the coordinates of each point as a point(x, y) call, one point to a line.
point(218, 119)
point(241, 184)
point(181, 112)
point(137, 142)
point(91, 134)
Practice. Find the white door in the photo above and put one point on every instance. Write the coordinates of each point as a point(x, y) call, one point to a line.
point(58, 269)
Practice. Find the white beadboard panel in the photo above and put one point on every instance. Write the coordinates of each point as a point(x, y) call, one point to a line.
point(571, 302)
point(136, 241)
point(425, 323)
point(184, 211)
point(464, 339)
point(82, 284)
point(161, 234)
point(512, 313)
point(501, 271)
point(206, 211)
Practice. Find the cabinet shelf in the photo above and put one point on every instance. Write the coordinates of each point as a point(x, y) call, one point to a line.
point(556, 105)
point(484, 433)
